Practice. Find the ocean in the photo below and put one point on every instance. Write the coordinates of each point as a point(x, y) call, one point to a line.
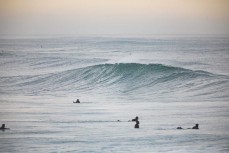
point(168, 81)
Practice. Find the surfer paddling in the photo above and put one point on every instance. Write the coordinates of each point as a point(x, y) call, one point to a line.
point(194, 127)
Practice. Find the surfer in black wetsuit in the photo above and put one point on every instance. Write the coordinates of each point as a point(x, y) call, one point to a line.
point(137, 122)
point(196, 126)
point(77, 101)
point(3, 127)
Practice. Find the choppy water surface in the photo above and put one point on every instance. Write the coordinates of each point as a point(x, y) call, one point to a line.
point(168, 81)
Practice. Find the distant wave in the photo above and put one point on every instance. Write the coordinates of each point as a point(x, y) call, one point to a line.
point(121, 77)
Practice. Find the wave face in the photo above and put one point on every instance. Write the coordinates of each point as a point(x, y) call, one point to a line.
point(122, 78)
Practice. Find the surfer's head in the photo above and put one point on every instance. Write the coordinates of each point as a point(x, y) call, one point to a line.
point(3, 126)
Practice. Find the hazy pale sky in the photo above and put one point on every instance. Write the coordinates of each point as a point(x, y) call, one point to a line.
point(118, 17)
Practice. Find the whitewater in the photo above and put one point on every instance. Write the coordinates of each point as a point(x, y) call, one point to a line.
point(168, 81)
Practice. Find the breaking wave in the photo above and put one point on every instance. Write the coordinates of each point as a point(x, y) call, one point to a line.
point(128, 78)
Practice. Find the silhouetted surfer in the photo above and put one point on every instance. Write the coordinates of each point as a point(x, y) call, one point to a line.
point(196, 126)
point(4, 127)
point(77, 101)
point(137, 122)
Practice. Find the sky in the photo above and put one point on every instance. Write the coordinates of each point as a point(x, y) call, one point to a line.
point(114, 17)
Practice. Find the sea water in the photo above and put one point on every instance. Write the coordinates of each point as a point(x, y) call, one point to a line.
point(167, 81)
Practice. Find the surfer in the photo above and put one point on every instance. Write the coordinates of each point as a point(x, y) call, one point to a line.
point(77, 101)
point(137, 122)
point(196, 126)
point(4, 127)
